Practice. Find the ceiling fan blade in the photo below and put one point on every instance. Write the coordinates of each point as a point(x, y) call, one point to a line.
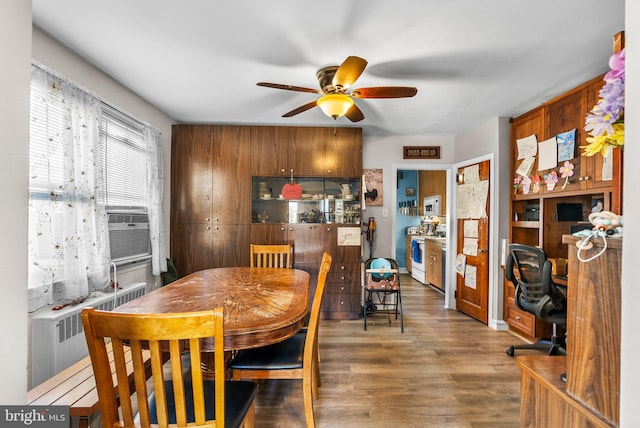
point(348, 72)
point(354, 114)
point(300, 109)
point(384, 92)
point(288, 87)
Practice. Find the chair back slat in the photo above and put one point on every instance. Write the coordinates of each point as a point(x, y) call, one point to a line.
point(278, 256)
point(165, 337)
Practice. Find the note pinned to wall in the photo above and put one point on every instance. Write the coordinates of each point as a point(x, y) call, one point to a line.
point(470, 276)
point(471, 229)
point(470, 247)
point(548, 157)
point(472, 174)
point(525, 167)
point(527, 147)
point(461, 261)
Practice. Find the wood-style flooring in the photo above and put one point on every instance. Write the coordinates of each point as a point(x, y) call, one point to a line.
point(446, 370)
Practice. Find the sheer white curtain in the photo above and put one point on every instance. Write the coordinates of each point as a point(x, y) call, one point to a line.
point(154, 200)
point(68, 243)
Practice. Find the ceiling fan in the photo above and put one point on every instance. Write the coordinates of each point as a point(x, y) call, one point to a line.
point(336, 99)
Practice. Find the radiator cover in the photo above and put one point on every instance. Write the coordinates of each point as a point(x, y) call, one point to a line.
point(57, 337)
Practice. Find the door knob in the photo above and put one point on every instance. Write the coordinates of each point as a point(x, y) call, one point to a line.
point(482, 250)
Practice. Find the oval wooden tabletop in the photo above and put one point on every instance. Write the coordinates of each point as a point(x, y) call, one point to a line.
point(261, 305)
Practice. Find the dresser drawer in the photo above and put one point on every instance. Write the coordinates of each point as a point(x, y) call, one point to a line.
point(521, 320)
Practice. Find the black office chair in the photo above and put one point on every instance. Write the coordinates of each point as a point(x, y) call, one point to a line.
point(529, 271)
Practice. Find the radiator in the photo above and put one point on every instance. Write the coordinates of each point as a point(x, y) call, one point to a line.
point(57, 337)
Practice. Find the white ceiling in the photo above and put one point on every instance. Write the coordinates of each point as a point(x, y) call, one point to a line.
point(199, 60)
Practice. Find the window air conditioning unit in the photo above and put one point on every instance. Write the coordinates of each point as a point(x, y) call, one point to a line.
point(129, 236)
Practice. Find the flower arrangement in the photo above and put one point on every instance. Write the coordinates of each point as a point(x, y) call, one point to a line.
point(605, 121)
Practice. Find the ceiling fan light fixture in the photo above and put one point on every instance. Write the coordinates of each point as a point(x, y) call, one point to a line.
point(335, 105)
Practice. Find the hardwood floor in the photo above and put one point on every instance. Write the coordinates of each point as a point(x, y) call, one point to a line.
point(446, 370)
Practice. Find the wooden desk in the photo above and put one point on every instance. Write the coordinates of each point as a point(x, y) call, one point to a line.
point(262, 305)
point(544, 401)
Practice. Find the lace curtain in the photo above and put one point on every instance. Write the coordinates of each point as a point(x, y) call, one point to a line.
point(68, 233)
point(154, 201)
point(68, 246)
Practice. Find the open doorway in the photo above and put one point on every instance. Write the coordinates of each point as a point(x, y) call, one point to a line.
point(414, 182)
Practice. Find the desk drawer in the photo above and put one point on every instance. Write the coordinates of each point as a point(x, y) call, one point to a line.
point(523, 321)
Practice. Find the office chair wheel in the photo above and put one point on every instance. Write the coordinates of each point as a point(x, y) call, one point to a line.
point(511, 351)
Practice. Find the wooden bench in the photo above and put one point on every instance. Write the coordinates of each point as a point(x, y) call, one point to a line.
point(76, 387)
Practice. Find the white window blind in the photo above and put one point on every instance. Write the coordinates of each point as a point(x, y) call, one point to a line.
point(124, 161)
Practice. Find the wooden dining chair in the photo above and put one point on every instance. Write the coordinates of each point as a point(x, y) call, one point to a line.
point(179, 396)
point(293, 358)
point(271, 255)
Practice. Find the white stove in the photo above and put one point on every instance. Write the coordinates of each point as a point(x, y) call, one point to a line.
point(418, 257)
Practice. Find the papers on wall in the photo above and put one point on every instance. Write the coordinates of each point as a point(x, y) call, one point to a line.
point(470, 228)
point(471, 200)
point(548, 154)
point(349, 236)
point(470, 247)
point(461, 261)
point(472, 174)
point(566, 143)
point(470, 276)
point(525, 167)
point(527, 147)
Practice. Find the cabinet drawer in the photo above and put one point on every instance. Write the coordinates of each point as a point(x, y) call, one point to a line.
point(341, 302)
point(523, 321)
point(345, 273)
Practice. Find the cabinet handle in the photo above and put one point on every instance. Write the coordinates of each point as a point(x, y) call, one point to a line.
point(342, 288)
point(342, 278)
point(518, 317)
point(208, 219)
point(283, 170)
point(328, 171)
point(282, 229)
point(208, 227)
point(291, 229)
point(342, 267)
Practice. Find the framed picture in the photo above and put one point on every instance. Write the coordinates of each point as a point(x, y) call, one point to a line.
point(411, 191)
point(373, 186)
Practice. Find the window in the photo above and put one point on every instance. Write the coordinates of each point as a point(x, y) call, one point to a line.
point(86, 159)
point(124, 161)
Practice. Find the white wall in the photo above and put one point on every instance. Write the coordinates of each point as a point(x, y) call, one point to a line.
point(491, 142)
point(52, 54)
point(386, 153)
point(15, 51)
point(630, 355)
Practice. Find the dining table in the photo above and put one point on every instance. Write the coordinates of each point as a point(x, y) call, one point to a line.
point(262, 306)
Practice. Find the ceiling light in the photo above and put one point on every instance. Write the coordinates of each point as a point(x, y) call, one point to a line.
point(335, 105)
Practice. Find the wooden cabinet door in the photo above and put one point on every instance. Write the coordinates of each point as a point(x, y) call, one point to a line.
point(343, 152)
point(231, 183)
point(191, 174)
point(230, 245)
point(434, 263)
point(308, 240)
point(562, 116)
point(269, 150)
point(192, 247)
point(343, 253)
point(307, 152)
point(532, 123)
